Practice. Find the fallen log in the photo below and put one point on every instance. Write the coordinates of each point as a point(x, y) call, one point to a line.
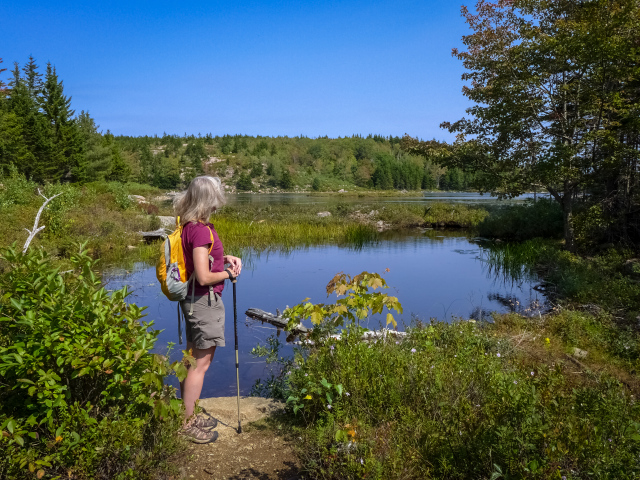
point(276, 321)
point(159, 234)
point(302, 331)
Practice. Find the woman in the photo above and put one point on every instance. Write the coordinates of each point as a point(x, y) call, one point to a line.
point(205, 259)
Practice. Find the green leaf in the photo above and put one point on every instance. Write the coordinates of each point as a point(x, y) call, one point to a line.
point(391, 320)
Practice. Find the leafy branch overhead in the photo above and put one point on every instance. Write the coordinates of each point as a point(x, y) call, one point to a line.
point(356, 301)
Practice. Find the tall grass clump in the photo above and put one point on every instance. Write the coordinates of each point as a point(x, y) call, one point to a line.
point(452, 401)
point(521, 222)
point(454, 215)
point(81, 395)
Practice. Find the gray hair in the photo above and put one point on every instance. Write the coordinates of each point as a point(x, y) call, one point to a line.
point(203, 196)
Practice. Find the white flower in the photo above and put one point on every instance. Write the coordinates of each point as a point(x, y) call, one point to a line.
point(497, 354)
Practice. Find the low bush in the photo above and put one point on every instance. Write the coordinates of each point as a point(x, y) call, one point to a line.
point(81, 395)
point(456, 401)
point(521, 222)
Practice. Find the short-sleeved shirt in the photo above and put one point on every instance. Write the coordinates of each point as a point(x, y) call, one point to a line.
point(197, 234)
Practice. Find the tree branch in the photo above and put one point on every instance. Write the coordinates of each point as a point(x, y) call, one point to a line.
point(36, 229)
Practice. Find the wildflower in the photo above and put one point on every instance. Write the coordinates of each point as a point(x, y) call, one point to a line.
point(532, 374)
point(515, 382)
point(347, 394)
point(306, 374)
point(413, 350)
point(547, 341)
point(455, 356)
point(59, 439)
point(308, 397)
point(397, 343)
point(361, 462)
point(329, 407)
point(497, 355)
point(331, 347)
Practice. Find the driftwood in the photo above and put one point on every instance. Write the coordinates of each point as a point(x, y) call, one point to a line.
point(36, 228)
point(302, 331)
point(159, 234)
point(276, 321)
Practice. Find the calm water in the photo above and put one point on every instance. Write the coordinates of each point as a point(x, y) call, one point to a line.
point(434, 274)
point(427, 197)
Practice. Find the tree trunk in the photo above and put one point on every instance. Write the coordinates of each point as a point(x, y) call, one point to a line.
point(567, 213)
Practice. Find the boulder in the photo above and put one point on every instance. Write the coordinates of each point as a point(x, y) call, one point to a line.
point(324, 214)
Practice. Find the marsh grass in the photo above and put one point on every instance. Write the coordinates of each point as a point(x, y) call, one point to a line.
point(593, 282)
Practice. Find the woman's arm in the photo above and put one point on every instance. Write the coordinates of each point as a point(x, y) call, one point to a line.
point(201, 268)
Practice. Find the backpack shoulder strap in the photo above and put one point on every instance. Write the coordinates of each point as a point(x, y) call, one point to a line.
point(212, 240)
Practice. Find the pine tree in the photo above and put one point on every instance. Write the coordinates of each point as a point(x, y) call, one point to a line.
point(30, 144)
point(32, 78)
point(68, 161)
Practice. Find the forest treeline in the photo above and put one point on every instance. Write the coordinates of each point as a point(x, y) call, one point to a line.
point(42, 138)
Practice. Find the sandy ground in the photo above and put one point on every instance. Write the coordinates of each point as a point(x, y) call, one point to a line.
point(257, 453)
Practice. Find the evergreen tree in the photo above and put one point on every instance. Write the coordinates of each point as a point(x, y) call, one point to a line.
point(97, 153)
point(119, 169)
point(244, 182)
point(68, 161)
point(32, 78)
point(286, 182)
point(29, 145)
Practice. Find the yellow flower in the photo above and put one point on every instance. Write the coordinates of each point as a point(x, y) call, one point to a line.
point(547, 341)
point(308, 397)
point(58, 438)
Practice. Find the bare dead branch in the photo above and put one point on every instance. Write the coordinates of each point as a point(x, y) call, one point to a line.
point(36, 229)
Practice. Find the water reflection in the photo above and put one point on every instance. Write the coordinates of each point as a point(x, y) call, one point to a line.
point(425, 198)
point(435, 274)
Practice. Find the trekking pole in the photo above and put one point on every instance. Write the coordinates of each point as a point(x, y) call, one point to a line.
point(235, 331)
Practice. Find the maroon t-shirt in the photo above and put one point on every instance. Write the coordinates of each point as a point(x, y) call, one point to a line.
point(197, 234)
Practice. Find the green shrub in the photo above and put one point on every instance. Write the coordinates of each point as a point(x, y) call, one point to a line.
point(80, 390)
point(452, 401)
point(121, 196)
point(16, 189)
point(521, 222)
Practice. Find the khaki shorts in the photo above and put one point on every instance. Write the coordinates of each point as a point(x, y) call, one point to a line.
point(205, 327)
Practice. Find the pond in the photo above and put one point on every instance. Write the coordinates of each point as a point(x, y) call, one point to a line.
point(426, 197)
point(434, 274)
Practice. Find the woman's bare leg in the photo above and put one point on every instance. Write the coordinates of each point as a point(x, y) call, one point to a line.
point(195, 378)
point(187, 348)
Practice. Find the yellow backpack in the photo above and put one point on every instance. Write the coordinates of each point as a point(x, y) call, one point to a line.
point(171, 270)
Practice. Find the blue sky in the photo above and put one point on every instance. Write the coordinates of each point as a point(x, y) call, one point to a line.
point(272, 68)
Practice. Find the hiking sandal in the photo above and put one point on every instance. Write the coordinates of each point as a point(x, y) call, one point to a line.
point(213, 420)
point(197, 435)
point(205, 422)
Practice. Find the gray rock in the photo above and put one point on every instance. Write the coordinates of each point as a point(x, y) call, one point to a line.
point(577, 353)
point(324, 214)
point(167, 221)
point(138, 198)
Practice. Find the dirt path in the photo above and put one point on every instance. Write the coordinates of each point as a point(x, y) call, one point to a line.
point(257, 453)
